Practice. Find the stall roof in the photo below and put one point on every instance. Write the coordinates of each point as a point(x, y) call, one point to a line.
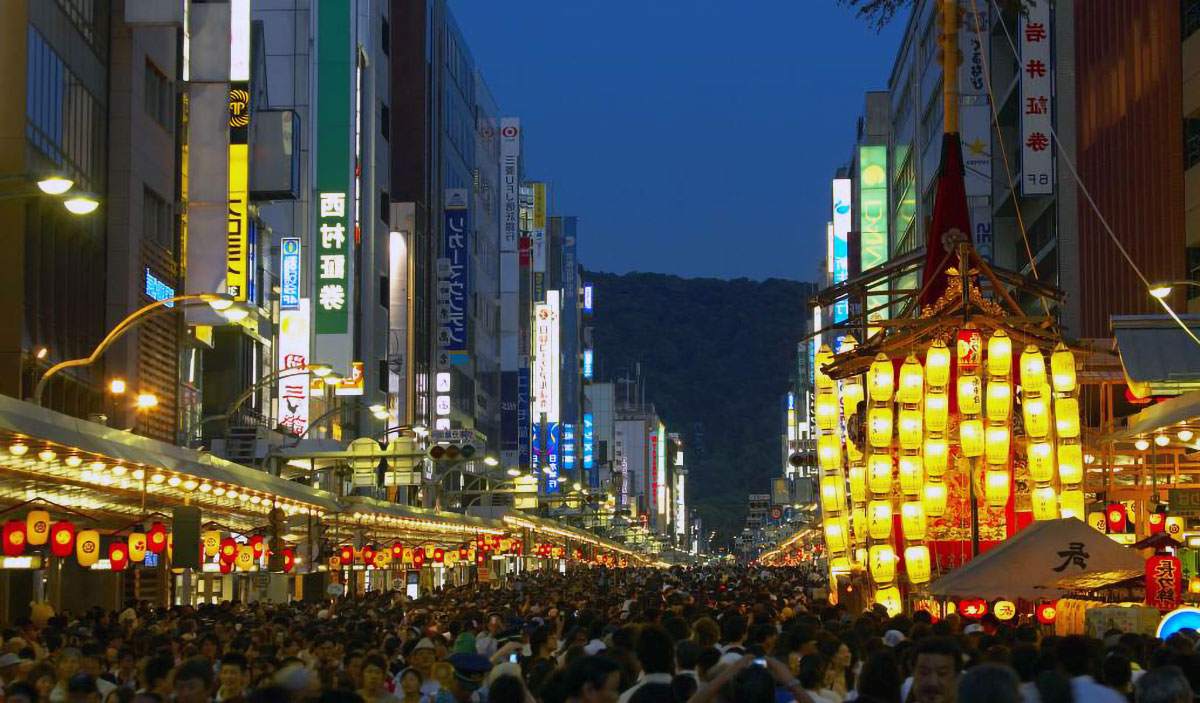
point(414, 518)
point(1038, 561)
point(1159, 358)
point(35, 423)
point(1181, 409)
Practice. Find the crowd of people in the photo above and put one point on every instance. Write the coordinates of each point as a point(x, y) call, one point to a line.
point(722, 634)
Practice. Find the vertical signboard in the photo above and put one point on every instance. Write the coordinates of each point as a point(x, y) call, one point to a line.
point(660, 469)
point(589, 445)
point(454, 277)
point(334, 237)
point(237, 244)
point(873, 217)
point(588, 298)
point(289, 273)
point(839, 254)
point(1037, 101)
point(568, 449)
point(975, 123)
point(510, 288)
point(538, 244)
point(552, 456)
point(589, 364)
point(546, 358)
point(524, 447)
point(508, 418)
point(292, 367)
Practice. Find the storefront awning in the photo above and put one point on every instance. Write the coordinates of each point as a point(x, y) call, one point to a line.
point(410, 518)
point(1158, 356)
point(1169, 413)
point(37, 426)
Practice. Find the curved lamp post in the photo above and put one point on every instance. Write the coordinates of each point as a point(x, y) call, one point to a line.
point(1161, 289)
point(132, 320)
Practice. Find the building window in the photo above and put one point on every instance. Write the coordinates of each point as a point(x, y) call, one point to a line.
point(157, 224)
point(159, 96)
point(385, 121)
point(62, 119)
point(385, 207)
point(1191, 143)
point(385, 36)
point(385, 291)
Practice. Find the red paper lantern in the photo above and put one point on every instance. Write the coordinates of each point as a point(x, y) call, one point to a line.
point(972, 608)
point(397, 551)
point(62, 539)
point(969, 351)
point(368, 555)
point(289, 560)
point(118, 555)
point(156, 538)
point(480, 559)
point(1115, 516)
point(14, 538)
point(516, 548)
point(347, 554)
point(226, 567)
point(463, 553)
point(439, 555)
point(1156, 522)
point(256, 543)
point(228, 550)
point(480, 542)
point(420, 553)
point(1047, 612)
point(1164, 580)
point(495, 541)
point(419, 558)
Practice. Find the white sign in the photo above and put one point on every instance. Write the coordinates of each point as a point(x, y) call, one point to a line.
point(546, 361)
point(292, 365)
point(510, 183)
point(1037, 101)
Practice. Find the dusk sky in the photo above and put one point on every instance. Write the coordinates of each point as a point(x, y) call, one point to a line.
point(692, 137)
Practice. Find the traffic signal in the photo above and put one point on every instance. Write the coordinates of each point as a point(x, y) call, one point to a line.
point(452, 452)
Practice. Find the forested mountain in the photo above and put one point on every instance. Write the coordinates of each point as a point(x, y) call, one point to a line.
point(715, 355)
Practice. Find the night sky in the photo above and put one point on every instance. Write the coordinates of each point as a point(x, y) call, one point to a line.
point(692, 137)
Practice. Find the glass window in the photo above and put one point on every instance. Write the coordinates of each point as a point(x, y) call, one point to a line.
point(157, 224)
point(62, 119)
point(159, 96)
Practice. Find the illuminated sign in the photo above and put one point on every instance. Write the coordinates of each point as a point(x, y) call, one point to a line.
point(546, 361)
point(840, 243)
point(352, 384)
point(587, 299)
point(539, 228)
point(1037, 101)
point(568, 447)
point(454, 276)
point(661, 470)
point(873, 216)
point(292, 367)
point(289, 273)
point(237, 250)
point(588, 364)
point(589, 442)
point(157, 290)
point(334, 234)
point(239, 40)
point(331, 264)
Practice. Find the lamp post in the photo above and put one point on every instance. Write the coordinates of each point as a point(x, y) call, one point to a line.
point(1161, 289)
point(56, 184)
point(132, 320)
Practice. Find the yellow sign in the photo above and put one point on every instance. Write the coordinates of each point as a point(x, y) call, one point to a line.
point(352, 384)
point(239, 108)
point(237, 254)
point(539, 205)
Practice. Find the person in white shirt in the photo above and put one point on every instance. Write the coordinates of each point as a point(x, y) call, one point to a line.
point(656, 653)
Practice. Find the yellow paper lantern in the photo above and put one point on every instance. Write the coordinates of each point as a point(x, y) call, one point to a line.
point(858, 526)
point(1062, 369)
point(937, 411)
point(912, 473)
point(824, 383)
point(916, 564)
point(826, 412)
point(1070, 463)
point(860, 556)
point(853, 453)
point(935, 499)
point(879, 519)
point(839, 565)
point(997, 440)
point(881, 379)
point(937, 455)
point(1041, 461)
point(212, 543)
point(1033, 368)
point(1098, 521)
point(1004, 609)
point(999, 400)
point(829, 452)
point(1045, 503)
point(890, 599)
point(245, 557)
point(1066, 417)
point(999, 354)
point(912, 382)
point(37, 527)
point(1036, 412)
point(87, 547)
point(1070, 504)
point(970, 437)
point(912, 519)
point(910, 429)
point(937, 365)
point(837, 536)
point(997, 487)
point(852, 394)
point(1174, 527)
point(833, 494)
point(137, 547)
point(969, 395)
point(881, 561)
point(858, 484)
point(879, 427)
point(879, 473)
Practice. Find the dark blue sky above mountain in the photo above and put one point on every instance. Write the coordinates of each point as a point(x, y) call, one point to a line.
point(692, 137)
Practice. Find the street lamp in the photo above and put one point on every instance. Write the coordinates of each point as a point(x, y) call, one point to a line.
point(55, 184)
point(147, 400)
point(491, 461)
point(81, 204)
point(117, 386)
point(1161, 289)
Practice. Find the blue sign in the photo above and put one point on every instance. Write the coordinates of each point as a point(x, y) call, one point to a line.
point(588, 364)
point(589, 444)
point(524, 446)
point(587, 299)
point(454, 281)
point(157, 290)
point(1178, 619)
point(509, 440)
point(568, 447)
point(289, 273)
point(552, 462)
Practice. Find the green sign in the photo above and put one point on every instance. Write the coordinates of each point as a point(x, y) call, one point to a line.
point(333, 193)
point(1184, 501)
point(873, 215)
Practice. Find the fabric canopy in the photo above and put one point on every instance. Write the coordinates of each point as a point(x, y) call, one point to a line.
point(1040, 562)
point(1158, 356)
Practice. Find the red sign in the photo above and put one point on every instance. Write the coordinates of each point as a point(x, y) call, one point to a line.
point(970, 350)
point(972, 608)
point(1164, 579)
point(1047, 612)
point(1115, 515)
point(1156, 521)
